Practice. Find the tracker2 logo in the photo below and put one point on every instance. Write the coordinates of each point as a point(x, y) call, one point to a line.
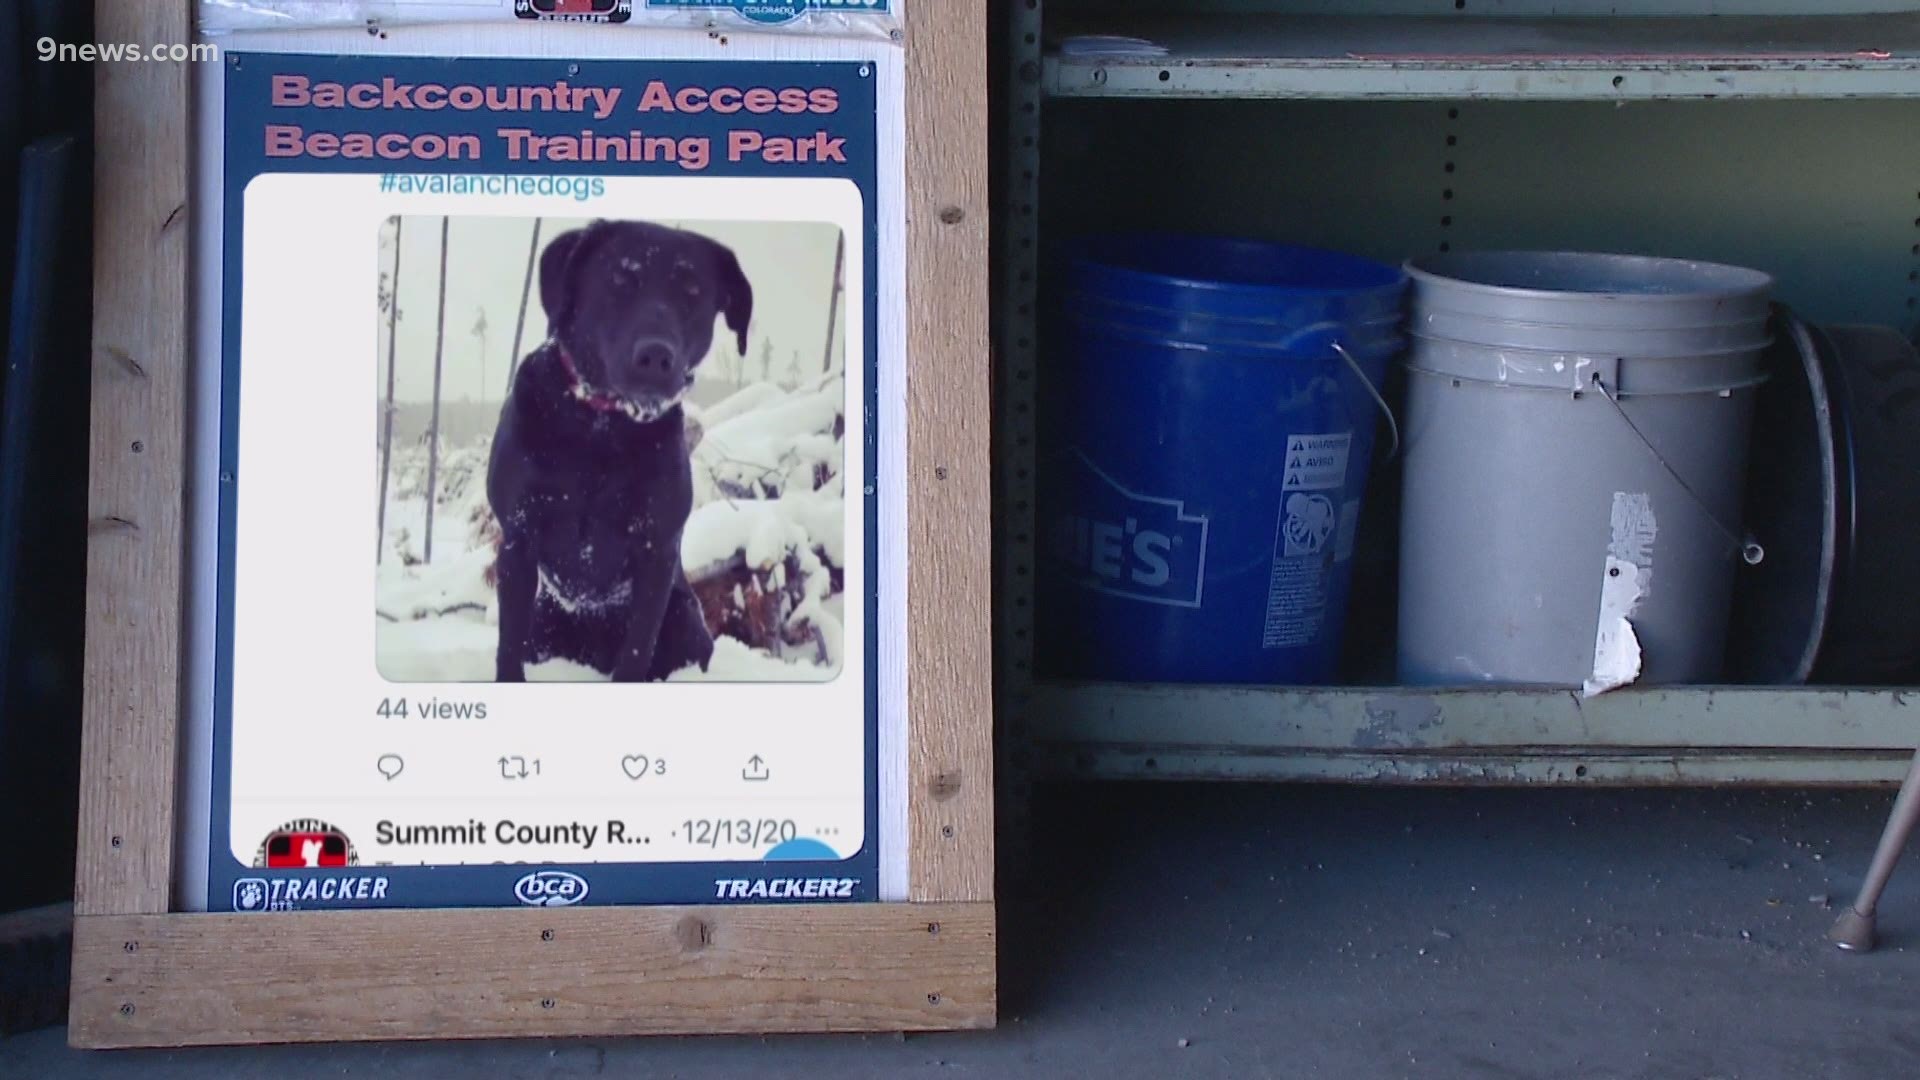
point(785, 888)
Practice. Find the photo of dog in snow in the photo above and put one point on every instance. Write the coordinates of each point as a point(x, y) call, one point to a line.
point(610, 450)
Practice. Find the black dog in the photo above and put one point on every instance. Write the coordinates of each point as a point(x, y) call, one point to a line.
point(589, 477)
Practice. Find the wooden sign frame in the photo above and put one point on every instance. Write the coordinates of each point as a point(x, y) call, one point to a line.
point(146, 976)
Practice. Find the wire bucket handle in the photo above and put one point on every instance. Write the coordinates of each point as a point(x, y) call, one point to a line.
point(1393, 424)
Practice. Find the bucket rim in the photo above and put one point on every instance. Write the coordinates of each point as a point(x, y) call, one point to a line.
point(1446, 271)
point(1723, 354)
point(1715, 388)
point(1099, 252)
point(1763, 340)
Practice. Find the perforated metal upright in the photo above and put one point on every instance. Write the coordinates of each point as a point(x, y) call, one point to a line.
point(1015, 313)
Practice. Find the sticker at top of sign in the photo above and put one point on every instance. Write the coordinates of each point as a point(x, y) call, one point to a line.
point(779, 11)
point(601, 11)
point(1317, 462)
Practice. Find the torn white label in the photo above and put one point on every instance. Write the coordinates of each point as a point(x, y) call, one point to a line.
point(1629, 576)
point(1634, 531)
point(1616, 648)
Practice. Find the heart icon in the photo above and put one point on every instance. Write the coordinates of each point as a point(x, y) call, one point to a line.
point(634, 765)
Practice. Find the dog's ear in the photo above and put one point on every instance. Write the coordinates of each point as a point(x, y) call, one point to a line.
point(556, 275)
point(736, 293)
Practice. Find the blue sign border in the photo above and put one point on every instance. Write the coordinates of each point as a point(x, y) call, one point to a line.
point(779, 879)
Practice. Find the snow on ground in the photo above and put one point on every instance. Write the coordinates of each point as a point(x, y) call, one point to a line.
point(734, 662)
point(780, 444)
point(768, 513)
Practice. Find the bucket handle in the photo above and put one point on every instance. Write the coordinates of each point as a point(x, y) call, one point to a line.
point(1750, 550)
point(1393, 425)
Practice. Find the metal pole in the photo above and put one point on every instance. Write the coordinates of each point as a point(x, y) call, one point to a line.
point(526, 290)
point(1855, 929)
point(833, 301)
point(386, 431)
point(433, 425)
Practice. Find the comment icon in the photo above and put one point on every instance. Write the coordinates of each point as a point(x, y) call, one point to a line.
point(390, 765)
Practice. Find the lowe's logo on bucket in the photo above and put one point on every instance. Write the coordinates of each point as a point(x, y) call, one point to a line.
point(1121, 543)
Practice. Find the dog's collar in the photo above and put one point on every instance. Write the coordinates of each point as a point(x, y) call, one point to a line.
point(603, 401)
point(582, 391)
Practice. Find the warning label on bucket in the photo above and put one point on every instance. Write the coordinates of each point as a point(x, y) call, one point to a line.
point(1313, 533)
point(1310, 535)
point(1317, 462)
point(1296, 603)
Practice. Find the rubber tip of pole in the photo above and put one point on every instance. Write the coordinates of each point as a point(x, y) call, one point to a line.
point(1853, 932)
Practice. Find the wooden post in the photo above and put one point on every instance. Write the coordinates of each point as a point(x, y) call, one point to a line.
point(146, 976)
point(433, 425)
point(386, 421)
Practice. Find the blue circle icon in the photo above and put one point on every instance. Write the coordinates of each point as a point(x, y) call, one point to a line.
point(803, 850)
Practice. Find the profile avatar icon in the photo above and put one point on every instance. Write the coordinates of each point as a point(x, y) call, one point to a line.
point(305, 844)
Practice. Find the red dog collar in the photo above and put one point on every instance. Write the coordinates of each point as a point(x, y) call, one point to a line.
point(597, 400)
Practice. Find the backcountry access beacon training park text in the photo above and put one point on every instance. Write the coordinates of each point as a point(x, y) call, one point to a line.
point(600, 103)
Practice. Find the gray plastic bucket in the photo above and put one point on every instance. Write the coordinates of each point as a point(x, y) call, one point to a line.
point(1576, 443)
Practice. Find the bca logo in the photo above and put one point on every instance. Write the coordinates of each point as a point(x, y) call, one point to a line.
point(1122, 543)
point(551, 888)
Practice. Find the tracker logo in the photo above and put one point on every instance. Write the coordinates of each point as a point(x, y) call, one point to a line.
point(293, 893)
point(551, 888)
point(1122, 543)
point(784, 888)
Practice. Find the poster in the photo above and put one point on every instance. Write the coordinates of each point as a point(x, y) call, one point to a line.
point(548, 499)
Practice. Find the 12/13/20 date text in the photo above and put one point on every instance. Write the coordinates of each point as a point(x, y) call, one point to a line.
point(715, 833)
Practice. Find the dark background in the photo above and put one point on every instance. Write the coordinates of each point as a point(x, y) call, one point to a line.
point(45, 314)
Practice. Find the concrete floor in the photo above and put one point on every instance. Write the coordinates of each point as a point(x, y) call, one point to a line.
point(1214, 931)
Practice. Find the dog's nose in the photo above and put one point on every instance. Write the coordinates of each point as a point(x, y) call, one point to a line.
point(653, 356)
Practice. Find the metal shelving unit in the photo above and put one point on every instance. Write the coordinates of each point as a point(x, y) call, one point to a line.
point(1561, 58)
point(1416, 113)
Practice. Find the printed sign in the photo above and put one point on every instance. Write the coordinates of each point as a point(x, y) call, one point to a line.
point(589, 349)
point(876, 19)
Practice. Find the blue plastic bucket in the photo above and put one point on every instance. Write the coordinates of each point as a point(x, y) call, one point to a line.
point(1206, 437)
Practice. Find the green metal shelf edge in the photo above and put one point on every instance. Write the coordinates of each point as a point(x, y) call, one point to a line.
point(1501, 58)
point(1687, 736)
point(1326, 84)
point(1695, 768)
point(1403, 719)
